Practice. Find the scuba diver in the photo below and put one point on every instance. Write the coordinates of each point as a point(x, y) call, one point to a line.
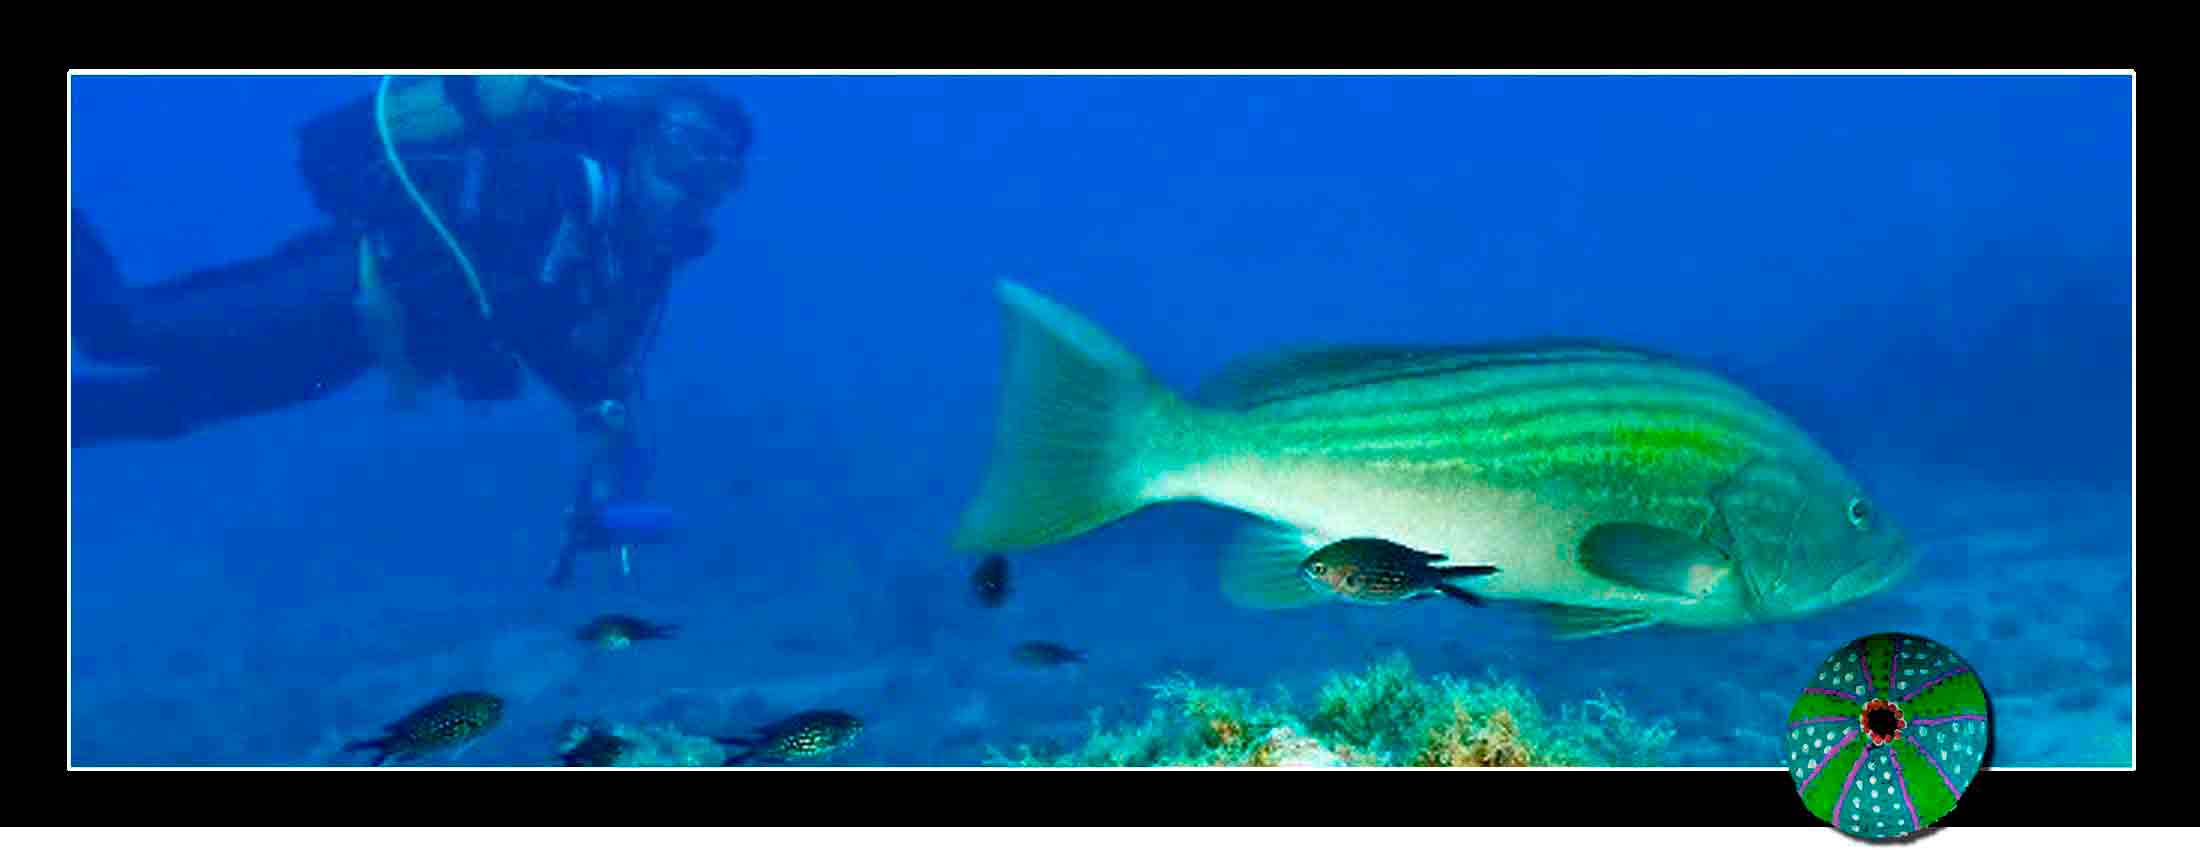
point(477, 226)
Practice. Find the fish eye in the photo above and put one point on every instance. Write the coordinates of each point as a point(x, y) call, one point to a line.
point(1352, 582)
point(1860, 514)
point(1317, 568)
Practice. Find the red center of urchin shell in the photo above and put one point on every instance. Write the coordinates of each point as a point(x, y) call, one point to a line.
point(1882, 721)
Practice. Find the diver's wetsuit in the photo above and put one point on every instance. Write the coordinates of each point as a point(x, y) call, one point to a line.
point(576, 284)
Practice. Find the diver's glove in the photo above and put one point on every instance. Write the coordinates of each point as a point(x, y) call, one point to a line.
point(609, 511)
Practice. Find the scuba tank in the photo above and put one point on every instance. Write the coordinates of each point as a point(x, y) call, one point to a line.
point(339, 150)
point(447, 109)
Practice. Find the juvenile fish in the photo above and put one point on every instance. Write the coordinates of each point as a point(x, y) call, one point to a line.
point(989, 582)
point(1379, 572)
point(810, 735)
point(1039, 653)
point(451, 721)
point(618, 631)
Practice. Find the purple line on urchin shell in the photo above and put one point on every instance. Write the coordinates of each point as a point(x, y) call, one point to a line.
point(1894, 664)
point(1845, 739)
point(1808, 721)
point(1905, 786)
point(1848, 784)
point(1936, 721)
point(1944, 780)
point(1936, 680)
point(1833, 693)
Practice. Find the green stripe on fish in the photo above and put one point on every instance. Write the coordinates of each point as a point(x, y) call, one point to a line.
point(1613, 487)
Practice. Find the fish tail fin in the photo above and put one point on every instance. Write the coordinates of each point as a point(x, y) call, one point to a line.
point(380, 746)
point(1457, 571)
point(744, 750)
point(1084, 431)
point(101, 321)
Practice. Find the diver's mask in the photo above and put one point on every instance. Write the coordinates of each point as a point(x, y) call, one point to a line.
point(692, 150)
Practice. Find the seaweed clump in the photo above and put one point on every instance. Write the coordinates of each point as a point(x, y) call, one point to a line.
point(1382, 716)
point(626, 745)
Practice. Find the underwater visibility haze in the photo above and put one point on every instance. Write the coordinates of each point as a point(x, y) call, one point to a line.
point(1135, 420)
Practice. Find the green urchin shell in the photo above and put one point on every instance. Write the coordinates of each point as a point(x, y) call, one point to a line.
point(1929, 707)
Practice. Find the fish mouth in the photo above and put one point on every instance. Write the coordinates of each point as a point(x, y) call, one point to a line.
point(1788, 602)
point(1873, 575)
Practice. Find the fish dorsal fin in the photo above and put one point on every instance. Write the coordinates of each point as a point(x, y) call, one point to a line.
point(1574, 622)
point(1265, 378)
point(1260, 569)
point(1653, 558)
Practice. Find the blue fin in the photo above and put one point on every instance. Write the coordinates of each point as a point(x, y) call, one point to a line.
point(101, 323)
point(1573, 622)
point(1260, 570)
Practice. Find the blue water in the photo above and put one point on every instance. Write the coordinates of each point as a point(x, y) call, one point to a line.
point(1933, 275)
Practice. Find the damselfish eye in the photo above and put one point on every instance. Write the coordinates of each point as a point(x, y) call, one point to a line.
point(1317, 568)
point(1860, 514)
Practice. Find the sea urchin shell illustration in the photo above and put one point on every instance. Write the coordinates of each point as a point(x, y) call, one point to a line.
point(1887, 735)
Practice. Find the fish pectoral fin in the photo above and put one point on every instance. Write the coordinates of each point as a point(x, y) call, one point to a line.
point(1573, 622)
point(1653, 558)
point(1261, 568)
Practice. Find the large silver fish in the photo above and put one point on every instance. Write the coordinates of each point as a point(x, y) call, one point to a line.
point(1615, 488)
